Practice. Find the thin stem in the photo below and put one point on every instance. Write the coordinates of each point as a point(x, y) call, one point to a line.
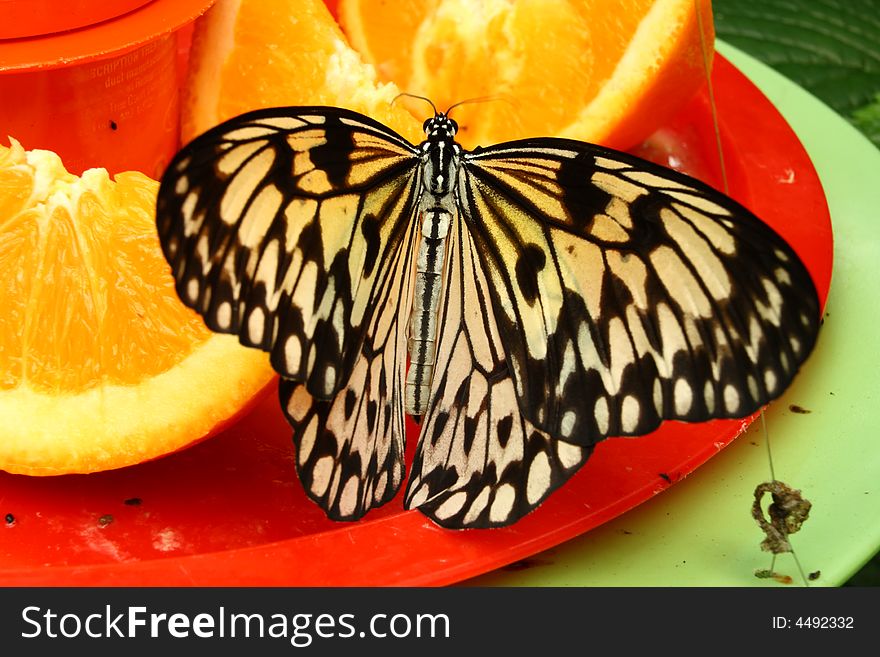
point(708, 73)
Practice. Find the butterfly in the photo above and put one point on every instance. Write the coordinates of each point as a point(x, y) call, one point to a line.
point(523, 301)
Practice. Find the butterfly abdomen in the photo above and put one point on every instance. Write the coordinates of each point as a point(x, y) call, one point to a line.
point(423, 322)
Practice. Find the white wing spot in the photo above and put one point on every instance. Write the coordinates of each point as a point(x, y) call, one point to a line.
point(569, 455)
point(566, 426)
point(292, 354)
point(452, 505)
point(187, 208)
point(795, 344)
point(192, 289)
point(502, 505)
point(238, 192)
point(203, 254)
point(658, 396)
point(617, 186)
point(568, 366)
point(379, 489)
point(649, 179)
point(321, 474)
point(684, 396)
point(224, 315)
point(600, 412)
point(247, 133)
point(348, 500)
point(181, 186)
point(709, 396)
point(775, 299)
point(329, 380)
point(770, 380)
point(419, 498)
point(299, 404)
point(700, 203)
point(731, 399)
point(307, 442)
point(478, 505)
point(629, 414)
point(753, 387)
point(256, 325)
point(605, 163)
point(539, 478)
point(782, 276)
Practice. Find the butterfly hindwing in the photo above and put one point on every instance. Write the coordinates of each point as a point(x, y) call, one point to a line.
point(626, 293)
point(480, 462)
point(350, 449)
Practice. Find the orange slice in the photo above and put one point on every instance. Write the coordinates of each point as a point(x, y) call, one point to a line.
point(249, 54)
point(605, 71)
point(101, 366)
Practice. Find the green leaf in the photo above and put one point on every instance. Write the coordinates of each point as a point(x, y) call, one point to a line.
point(829, 47)
point(867, 119)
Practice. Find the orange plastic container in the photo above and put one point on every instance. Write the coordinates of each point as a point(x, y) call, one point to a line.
point(103, 95)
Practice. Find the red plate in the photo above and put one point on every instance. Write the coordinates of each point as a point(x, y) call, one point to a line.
point(230, 511)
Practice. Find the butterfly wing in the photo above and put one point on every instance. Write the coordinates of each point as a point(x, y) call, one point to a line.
point(592, 294)
point(293, 228)
point(350, 449)
point(480, 462)
point(626, 293)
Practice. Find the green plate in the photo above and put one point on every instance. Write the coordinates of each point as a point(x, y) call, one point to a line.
point(700, 532)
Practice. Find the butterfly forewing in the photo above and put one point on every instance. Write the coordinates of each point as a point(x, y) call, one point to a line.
point(280, 226)
point(626, 293)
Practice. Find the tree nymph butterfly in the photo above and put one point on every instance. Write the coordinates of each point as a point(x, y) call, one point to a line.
point(547, 294)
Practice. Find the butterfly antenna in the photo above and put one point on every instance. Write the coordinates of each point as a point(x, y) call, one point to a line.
point(480, 99)
point(409, 95)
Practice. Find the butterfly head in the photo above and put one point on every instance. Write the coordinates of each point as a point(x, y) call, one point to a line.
point(440, 126)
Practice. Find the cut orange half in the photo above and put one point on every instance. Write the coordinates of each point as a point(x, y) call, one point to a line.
point(101, 366)
point(604, 71)
point(250, 54)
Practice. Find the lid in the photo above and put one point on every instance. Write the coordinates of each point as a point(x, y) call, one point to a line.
point(28, 18)
point(143, 21)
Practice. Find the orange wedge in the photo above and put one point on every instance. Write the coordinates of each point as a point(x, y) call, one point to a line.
point(249, 54)
point(101, 366)
point(605, 71)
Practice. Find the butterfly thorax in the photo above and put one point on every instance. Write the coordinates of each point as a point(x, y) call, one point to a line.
point(440, 154)
point(440, 157)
